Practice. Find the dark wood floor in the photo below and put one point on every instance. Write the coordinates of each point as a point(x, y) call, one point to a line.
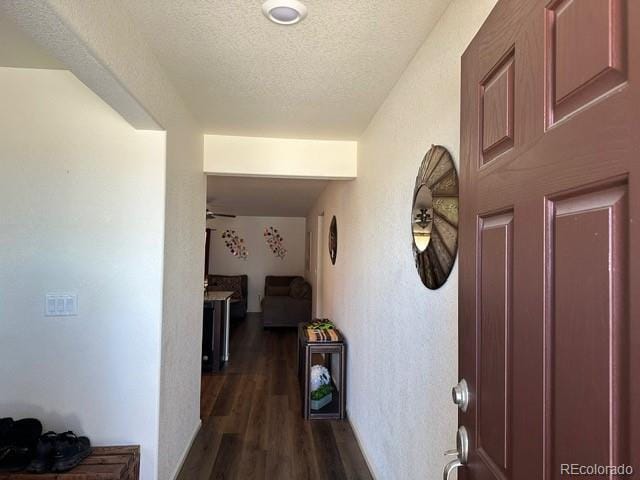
point(252, 427)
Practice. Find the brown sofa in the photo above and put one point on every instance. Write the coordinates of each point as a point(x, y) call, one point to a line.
point(286, 302)
point(238, 284)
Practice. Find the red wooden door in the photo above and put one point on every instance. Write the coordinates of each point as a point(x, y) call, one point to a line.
point(550, 239)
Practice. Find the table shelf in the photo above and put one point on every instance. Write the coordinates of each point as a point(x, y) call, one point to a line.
point(331, 355)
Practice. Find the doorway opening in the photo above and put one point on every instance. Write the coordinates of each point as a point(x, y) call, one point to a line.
point(259, 267)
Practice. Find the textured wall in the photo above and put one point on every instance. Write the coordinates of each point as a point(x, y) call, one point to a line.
point(261, 260)
point(101, 45)
point(182, 304)
point(280, 157)
point(76, 185)
point(19, 50)
point(402, 337)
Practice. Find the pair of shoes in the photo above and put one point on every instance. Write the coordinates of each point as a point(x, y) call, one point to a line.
point(59, 452)
point(18, 441)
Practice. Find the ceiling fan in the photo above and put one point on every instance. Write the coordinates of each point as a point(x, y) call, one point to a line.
point(211, 215)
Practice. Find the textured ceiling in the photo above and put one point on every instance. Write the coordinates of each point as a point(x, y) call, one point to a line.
point(325, 77)
point(18, 50)
point(263, 197)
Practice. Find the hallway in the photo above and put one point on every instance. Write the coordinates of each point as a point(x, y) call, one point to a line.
point(252, 427)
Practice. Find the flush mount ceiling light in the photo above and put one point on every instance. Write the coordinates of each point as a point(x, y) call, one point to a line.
point(284, 12)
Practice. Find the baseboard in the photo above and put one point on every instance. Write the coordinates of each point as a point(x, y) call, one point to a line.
point(184, 455)
point(356, 434)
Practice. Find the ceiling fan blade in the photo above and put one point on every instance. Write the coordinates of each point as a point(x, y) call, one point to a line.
point(227, 215)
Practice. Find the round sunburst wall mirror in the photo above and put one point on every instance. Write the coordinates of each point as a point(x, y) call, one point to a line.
point(333, 240)
point(434, 217)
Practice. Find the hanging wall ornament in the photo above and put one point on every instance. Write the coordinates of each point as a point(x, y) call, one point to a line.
point(275, 241)
point(235, 244)
point(434, 217)
point(333, 240)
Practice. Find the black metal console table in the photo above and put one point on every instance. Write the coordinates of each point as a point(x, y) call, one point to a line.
point(330, 354)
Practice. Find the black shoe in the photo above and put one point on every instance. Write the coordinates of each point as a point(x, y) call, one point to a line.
point(44, 453)
point(69, 451)
point(5, 429)
point(17, 443)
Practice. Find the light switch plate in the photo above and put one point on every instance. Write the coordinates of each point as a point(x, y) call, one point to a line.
point(61, 305)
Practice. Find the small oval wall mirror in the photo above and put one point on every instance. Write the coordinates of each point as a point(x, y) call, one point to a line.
point(422, 218)
point(333, 240)
point(434, 217)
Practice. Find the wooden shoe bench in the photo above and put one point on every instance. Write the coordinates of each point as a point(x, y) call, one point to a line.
point(104, 463)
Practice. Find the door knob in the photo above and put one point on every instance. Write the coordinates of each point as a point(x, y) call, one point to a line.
point(461, 452)
point(460, 394)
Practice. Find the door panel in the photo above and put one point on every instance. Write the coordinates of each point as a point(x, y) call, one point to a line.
point(549, 317)
point(587, 330)
point(497, 110)
point(493, 390)
point(578, 75)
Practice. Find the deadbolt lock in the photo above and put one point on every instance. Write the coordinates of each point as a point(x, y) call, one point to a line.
point(460, 394)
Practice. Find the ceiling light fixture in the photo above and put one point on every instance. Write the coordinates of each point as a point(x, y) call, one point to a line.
point(284, 12)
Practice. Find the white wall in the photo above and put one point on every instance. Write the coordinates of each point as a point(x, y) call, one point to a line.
point(100, 44)
point(81, 210)
point(261, 260)
point(280, 157)
point(399, 402)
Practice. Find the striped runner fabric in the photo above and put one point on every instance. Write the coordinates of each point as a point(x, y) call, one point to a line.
point(315, 335)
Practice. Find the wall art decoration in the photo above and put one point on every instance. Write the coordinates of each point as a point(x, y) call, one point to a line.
point(235, 244)
point(434, 217)
point(275, 241)
point(333, 240)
